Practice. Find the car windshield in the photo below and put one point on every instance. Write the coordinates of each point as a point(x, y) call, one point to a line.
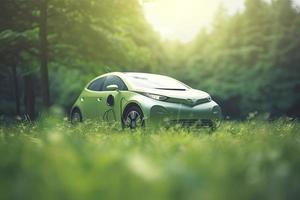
point(153, 81)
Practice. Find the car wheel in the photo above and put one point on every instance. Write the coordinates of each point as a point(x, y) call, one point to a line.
point(133, 118)
point(76, 116)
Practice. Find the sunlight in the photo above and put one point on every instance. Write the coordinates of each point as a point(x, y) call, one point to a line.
point(182, 19)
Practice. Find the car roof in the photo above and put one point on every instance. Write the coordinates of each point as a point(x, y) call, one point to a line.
point(123, 76)
point(141, 74)
point(129, 73)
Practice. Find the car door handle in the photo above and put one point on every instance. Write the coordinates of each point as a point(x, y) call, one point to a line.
point(82, 99)
point(99, 99)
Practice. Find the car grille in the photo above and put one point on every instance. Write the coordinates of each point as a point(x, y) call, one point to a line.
point(191, 123)
point(190, 102)
point(197, 101)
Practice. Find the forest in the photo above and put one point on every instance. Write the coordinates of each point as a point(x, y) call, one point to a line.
point(249, 61)
point(49, 49)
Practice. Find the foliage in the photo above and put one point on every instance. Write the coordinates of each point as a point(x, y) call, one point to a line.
point(86, 39)
point(51, 160)
point(248, 61)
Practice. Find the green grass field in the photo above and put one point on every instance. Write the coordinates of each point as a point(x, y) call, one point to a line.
point(241, 160)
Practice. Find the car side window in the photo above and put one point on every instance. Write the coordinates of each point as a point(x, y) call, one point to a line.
point(97, 85)
point(114, 80)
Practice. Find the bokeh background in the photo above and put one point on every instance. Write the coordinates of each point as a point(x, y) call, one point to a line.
point(246, 54)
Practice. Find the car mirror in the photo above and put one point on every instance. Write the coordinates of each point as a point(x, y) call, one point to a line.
point(112, 87)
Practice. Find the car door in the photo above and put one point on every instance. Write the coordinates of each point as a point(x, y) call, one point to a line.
point(113, 99)
point(92, 102)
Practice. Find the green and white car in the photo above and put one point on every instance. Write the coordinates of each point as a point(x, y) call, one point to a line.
point(144, 100)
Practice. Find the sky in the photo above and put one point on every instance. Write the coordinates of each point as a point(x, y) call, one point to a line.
point(183, 19)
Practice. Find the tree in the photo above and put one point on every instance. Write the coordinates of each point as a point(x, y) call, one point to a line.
point(249, 61)
point(17, 41)
point(44, 52)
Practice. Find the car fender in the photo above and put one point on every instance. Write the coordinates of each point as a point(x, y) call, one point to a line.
point(145, 103)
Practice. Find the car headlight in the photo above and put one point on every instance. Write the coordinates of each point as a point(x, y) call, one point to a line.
point(209, 98)
point(155, 96)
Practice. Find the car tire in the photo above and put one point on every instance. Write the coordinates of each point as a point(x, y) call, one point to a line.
point(133, 118)
point(76, 116)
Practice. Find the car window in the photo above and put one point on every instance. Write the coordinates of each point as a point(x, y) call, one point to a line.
point(97, 84)
point(154, 81)
point(114, 80)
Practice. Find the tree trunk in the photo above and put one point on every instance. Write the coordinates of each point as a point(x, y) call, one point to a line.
point(16, 89)
point(29, 98)
point(44, 53)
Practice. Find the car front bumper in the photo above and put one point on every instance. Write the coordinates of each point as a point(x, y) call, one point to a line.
point(169, 114)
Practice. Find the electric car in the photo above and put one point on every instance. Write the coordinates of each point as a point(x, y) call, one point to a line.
point(133, 100)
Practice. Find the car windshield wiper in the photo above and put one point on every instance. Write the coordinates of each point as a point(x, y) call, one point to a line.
point(177, 89)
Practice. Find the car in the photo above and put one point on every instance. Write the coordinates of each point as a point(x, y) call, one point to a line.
point(132, 100)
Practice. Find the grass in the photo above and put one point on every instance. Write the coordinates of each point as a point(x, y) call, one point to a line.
point(241, 160)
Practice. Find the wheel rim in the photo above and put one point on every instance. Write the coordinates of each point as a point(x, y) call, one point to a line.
point(133, 120)
point(76, 117)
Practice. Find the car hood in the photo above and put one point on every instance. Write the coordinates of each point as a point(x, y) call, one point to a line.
point(190, 96)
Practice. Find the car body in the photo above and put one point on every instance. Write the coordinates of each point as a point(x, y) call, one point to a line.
point(155, 100)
